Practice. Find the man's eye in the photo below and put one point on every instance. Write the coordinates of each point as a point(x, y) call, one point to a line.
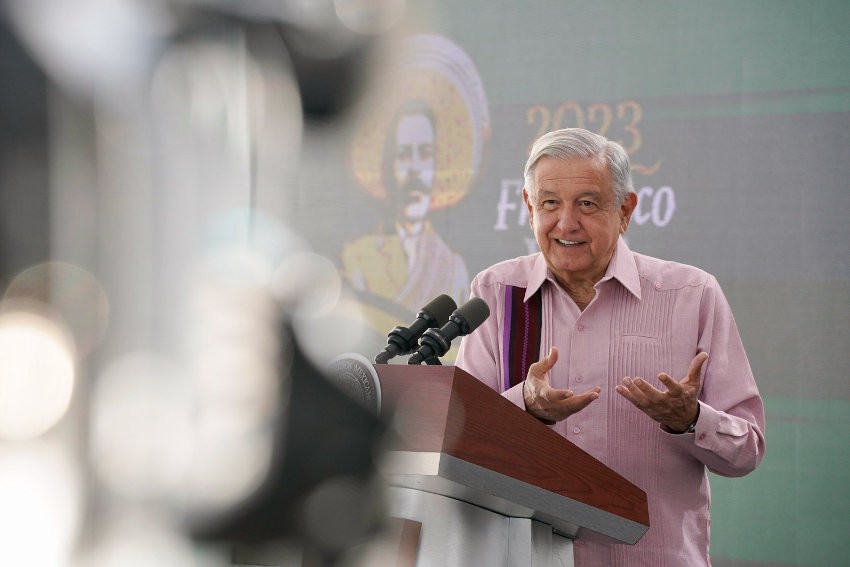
point(402, 152)
point(549, 204)
point(426, 151)
point(587, 204)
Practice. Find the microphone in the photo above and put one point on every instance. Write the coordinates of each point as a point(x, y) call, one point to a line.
point(403, 340)
point(436, 342)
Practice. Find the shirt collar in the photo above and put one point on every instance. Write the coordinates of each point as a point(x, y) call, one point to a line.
point(538, 274)
point(622, 268)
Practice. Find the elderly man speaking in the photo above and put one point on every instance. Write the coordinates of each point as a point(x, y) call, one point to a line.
point(636, 360)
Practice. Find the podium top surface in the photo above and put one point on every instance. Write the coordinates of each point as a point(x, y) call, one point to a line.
point(460, 438)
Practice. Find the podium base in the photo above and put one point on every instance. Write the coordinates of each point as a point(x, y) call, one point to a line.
point(459, 534)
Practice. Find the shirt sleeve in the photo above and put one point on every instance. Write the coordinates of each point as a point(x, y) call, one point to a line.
point(729, 435)
point(479, 351)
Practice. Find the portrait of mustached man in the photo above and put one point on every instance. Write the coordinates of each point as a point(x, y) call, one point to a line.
point(417, 152)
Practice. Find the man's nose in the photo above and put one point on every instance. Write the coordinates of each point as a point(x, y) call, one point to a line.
point(407, 168)
point(568, 219)
point(417, 164)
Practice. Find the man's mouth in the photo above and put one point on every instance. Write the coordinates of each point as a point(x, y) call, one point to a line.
point(567, 242)
point(415, 197)
point(414, 184)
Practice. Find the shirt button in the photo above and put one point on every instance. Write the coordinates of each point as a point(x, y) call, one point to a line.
point(657, 285)
point(576, 429)
point(580, 328)
point(579, 378)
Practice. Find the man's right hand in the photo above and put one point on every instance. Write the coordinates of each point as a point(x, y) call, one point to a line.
point(545, 402)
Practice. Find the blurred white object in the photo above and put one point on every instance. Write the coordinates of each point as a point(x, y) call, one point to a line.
point(36, 374)
point(94, 47)
point(41, 496)
point(143, 539)
point(140, 427)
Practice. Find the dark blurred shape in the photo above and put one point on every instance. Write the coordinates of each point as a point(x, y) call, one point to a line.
point(328, 84)
point(321, 489)
point(330, 61)
point(24, 198)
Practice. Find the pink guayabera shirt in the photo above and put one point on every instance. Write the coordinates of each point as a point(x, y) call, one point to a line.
point(648, 316)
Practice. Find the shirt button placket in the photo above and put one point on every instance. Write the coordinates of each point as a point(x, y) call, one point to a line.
point(576, 430)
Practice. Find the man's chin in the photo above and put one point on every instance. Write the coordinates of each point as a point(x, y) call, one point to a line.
point(415, 212)
point(569, 262)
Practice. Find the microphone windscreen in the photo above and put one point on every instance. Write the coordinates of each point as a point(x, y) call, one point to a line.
point(475, 312)
point(441, 308)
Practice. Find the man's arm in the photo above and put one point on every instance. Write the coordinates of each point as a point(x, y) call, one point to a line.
point(479, 351)
point(728, 433)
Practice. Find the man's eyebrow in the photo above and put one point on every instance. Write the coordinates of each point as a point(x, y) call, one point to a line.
point(593, 194)
point(588, 193)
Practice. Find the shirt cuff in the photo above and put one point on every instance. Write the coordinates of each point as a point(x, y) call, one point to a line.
point(514, 395)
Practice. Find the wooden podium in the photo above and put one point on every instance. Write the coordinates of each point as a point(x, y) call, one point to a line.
point(490, 484)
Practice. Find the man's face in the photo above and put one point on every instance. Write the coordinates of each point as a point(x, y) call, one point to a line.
point(575, 219)
point(413, 165)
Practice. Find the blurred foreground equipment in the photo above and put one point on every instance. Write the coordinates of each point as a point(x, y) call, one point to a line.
point(167, 121)
point(321, 488)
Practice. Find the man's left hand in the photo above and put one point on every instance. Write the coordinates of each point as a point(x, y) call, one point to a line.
point(677, 407)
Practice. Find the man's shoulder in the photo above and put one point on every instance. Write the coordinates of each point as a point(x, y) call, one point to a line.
point(515, 271)
point(670, 274)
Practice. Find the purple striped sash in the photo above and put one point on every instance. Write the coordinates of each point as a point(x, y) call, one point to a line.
point(521, 338)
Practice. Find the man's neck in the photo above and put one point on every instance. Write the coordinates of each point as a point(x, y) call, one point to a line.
point(581, 295)
point(581, 290)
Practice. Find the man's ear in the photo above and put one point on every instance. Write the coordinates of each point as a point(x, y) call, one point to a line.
point(627, 207)
point(529, 205)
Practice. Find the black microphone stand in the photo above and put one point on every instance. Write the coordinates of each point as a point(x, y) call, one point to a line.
point(401, 340)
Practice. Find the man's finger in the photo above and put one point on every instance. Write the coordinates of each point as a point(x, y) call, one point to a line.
point(695, 369)
point(673, 387)
point(541, 367)
point(554, 395)
point(631, 392)
point(581, 401)
point(651, 393)
point(573, 402)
